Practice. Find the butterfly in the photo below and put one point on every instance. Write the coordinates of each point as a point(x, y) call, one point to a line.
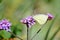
point(41, 18)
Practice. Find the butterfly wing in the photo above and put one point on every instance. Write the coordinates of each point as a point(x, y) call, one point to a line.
point(41, 18)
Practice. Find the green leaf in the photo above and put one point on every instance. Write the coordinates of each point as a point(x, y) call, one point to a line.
point(5, 34)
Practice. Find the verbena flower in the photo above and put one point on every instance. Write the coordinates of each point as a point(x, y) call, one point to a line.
point(50, 16)
point(5, 25)
point(29, 20)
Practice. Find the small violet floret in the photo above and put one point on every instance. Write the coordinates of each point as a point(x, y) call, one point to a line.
point(5, 25)
point(29, 21)
point(50, 16)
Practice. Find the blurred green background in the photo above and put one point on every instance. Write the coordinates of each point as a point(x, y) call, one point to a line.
point(15, 10)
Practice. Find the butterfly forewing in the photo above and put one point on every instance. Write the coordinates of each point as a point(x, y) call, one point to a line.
point(41, 18)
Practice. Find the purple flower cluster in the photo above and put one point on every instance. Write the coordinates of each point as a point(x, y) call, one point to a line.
point(50, 16)
point(29, 20)
point(5, 25)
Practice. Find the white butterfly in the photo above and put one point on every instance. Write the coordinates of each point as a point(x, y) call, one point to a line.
point(41, 18)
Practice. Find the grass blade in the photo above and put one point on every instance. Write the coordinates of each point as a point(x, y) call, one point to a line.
point(38, 32)
point(50, 28)
point(55, 33)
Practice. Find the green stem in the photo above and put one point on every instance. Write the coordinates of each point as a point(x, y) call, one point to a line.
point(27, 31)
point(15, 35)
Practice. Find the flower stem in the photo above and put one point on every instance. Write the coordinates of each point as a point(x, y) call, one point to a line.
point(27, 31)
point(15, 35)
point(27, 34)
